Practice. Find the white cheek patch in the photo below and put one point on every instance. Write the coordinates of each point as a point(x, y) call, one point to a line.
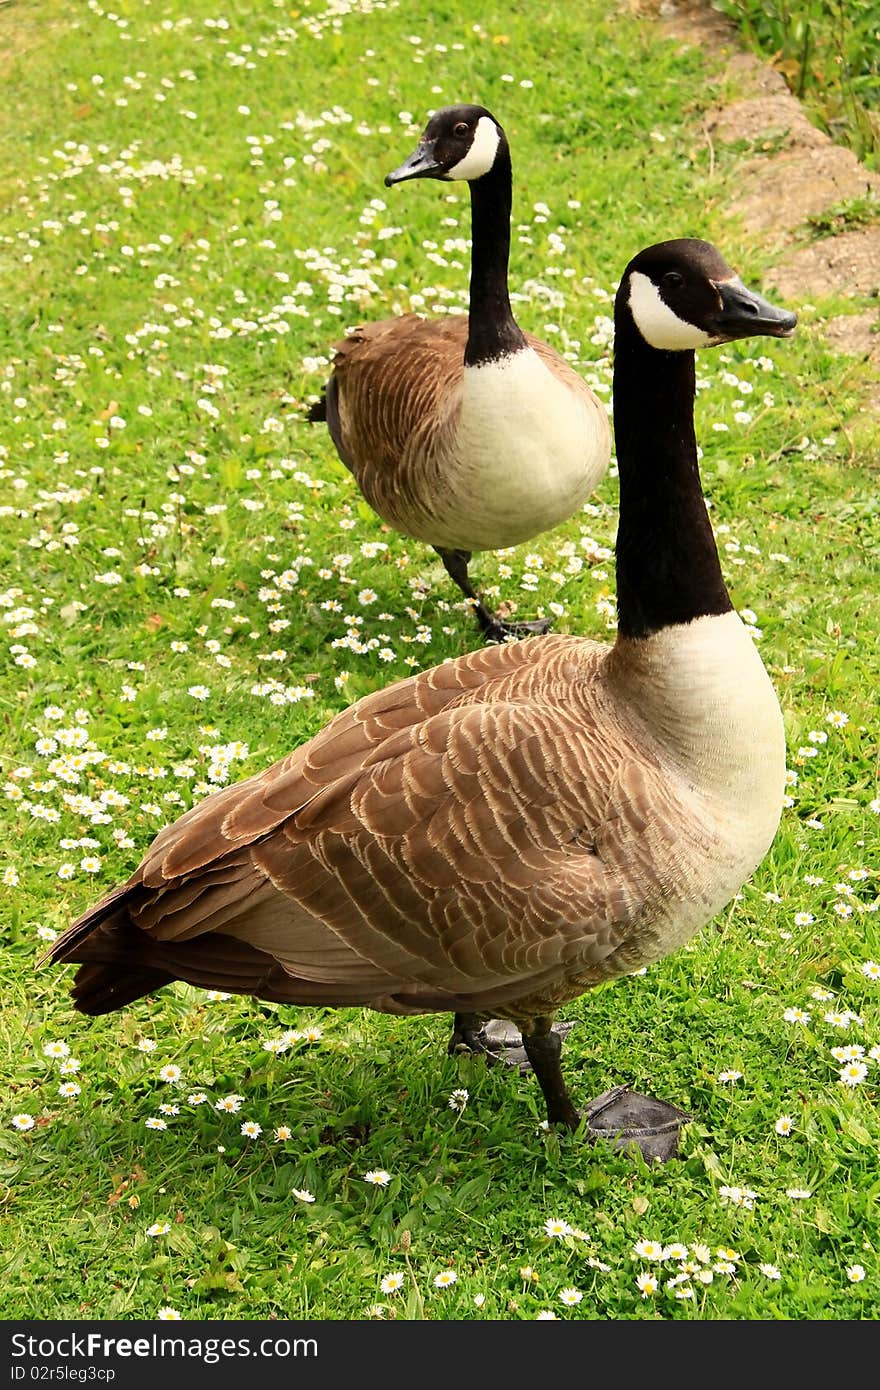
point(658, 324)
point(481, 155)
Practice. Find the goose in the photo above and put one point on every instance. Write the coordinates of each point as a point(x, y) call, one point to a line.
point(499, 834)
point(467, 434)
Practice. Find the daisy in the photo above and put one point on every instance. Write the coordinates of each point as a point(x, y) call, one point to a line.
point(166, 1109)
point(784, 1125)
point(378, 1177)
point(196, 1098)
point(229, 1104)
point(303, 1194)
point(770, 1271)
point(251, 1130)
point(282, 1133)
point(445, 1278)
point(855, 1274)
point(56, 1049)
point(553, 1226)
point(69, 1089)
point(169, 1072)
point(479, 1300)
point(837, 718)
point(647, 1283)
point(871, 970)
point(159, 1228)
point(545, 1315)
point(169, 1315)
point(675, 1251)
point(796, 1016)
point(738, 1196)
point(570, 1297)
point(147, 1045)
point(154, 1122)
point(22, 1121)
point(854, 1073)
point(458, 1100)
point(729, 1076)
point(648, 1249)
point(391, 1283)
point(798, 1194)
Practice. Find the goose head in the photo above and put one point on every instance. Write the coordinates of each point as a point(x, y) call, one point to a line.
point(459, 142)
point(681, 295)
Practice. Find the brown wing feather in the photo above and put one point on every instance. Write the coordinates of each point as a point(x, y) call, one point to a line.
point(394, 406)
point(457, 840)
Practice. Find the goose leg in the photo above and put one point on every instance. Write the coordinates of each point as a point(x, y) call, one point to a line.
point(543, 1048)
point(620, 1116)
point(494, 629)
point(495, 1039)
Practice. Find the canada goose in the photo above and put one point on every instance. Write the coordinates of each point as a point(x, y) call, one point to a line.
point(498, 834)
point(467, 434)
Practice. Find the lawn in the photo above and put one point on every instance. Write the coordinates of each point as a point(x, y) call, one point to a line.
point(193, 211)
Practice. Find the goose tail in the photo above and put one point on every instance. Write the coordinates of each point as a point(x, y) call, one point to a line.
point(105, 945)
point(317, 411)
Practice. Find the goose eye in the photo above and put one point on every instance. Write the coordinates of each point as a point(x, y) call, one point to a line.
point(672, 280)
point(461, 128)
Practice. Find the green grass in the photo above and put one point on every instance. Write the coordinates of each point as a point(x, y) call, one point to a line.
point(828, 53)
point(189, 259)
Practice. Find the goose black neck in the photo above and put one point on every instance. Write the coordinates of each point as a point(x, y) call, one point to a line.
point(492, 329)
point(668, 570)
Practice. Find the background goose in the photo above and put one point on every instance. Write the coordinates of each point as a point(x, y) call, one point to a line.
point(498, 834)
point(468, 434)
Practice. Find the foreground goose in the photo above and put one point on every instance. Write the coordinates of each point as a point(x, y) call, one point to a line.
point(497, 835)
point(466, 433)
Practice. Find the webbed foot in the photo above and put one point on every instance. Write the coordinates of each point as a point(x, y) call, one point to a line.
point(624, 1117)
point(496, 629)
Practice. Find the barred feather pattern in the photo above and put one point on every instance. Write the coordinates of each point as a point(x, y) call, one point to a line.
point(497, 834)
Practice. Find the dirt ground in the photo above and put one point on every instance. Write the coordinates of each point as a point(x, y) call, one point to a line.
point(791, 172)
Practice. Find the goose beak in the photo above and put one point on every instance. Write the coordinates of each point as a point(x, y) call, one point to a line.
point(420, 165)
point(744, 314)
